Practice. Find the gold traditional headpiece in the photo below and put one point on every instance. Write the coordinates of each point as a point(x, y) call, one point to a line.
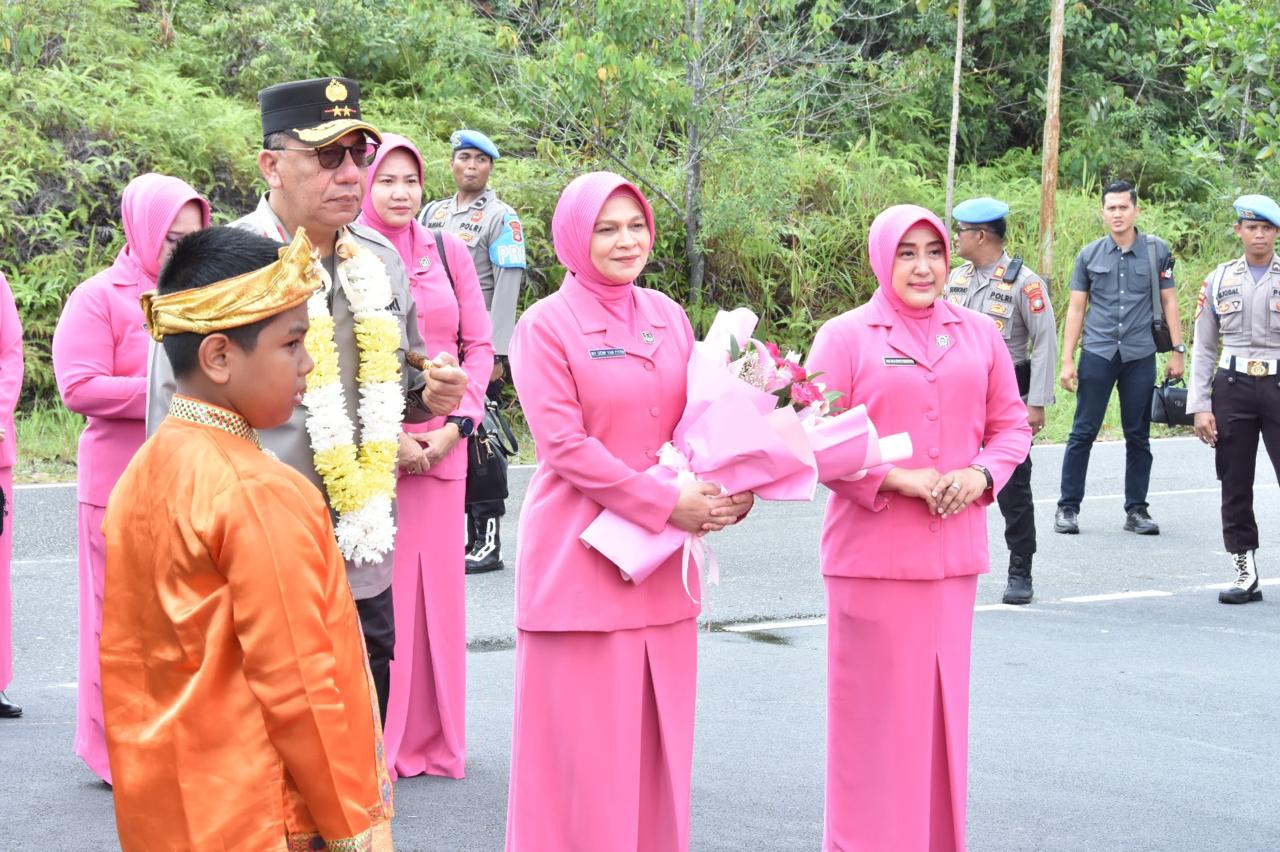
point(238, 301)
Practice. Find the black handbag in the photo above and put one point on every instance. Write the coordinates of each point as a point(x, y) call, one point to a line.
point(488, 450)
point(1169, 404)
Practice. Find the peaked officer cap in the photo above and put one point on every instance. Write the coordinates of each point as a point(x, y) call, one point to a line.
point(473, 139)
point(1258, 207)
point(976, 211)
point(315, 112)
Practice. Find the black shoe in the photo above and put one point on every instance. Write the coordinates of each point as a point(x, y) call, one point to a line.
point(1065, 521)
point(1018, 591)
point(8, 710)
point(487, 554)
point(1245, 588)
point(471, 533)
point(1138, 521)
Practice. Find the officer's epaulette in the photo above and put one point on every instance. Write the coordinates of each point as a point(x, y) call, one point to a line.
point(372, 235)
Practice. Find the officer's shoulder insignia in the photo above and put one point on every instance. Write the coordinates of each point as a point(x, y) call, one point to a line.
point(441, 212)
point(507, 251)
point(1035, 296)
point(477, 215)
point(999, 272)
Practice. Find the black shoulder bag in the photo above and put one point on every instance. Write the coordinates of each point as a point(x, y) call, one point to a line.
point(492, 442)
point(1160, 331)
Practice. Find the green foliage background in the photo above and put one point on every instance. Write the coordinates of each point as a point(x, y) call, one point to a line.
point(1181, 97)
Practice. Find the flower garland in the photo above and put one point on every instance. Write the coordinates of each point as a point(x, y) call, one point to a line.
point(360, 480)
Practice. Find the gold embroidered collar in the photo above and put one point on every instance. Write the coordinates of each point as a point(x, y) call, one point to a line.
point(195, 411)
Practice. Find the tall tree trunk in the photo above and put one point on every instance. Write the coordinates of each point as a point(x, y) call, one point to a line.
point(1049, 163)
point(693, 157)
point(955, 110)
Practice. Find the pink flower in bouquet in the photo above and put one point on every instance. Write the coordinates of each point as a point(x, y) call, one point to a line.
point(805, 393)
point(793, 370)
point(772, 349)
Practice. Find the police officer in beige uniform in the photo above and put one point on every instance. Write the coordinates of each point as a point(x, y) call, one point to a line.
point(316, 152)
point(1014, 297)
point(1235, 392)
point(493, 232)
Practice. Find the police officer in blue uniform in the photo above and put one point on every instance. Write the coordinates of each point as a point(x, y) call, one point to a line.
point(495, 236)
point(1015, 299)
point(1235, 380)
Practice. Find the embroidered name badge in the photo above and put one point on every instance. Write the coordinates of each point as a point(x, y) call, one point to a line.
point(597, 354)
point(1007, 298)
point(899, 362)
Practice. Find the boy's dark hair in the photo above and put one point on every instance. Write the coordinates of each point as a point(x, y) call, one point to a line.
point(207, 257)
point(1120, 186)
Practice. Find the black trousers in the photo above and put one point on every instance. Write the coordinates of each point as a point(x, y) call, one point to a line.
point(481, 510)
point(377, 622)
point(1019, 512)
point(1245, 407)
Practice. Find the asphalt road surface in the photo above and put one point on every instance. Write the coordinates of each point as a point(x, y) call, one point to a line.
point(1124, 710)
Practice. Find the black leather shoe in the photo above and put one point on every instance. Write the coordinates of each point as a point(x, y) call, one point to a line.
point(1018, 591)
point(1138, 521)
point(487, 554)
point(8, 710)
point(1065, 521)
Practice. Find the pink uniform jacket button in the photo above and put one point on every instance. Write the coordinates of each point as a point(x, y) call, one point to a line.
point(648, 365)
point(930, 377)
point(933, 452)
point(654, 411)
point(931, 415)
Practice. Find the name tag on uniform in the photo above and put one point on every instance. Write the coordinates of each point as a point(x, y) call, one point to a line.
point(597, 354)
point(899, 362)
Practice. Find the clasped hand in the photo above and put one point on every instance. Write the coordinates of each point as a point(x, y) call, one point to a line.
point(446, 383)
point(946, 494)
point(703, 509)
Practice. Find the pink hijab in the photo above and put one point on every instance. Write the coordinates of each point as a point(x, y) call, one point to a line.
point(887, 232)
point(575, 219)
point(411, 240)
point(147, 209)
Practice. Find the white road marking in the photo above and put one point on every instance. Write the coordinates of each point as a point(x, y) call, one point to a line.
point(761, 626)
point(1002, 607)
point(1179, 492)
point(1118, 596)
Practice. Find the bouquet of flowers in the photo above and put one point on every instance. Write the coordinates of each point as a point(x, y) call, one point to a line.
point(753, 421)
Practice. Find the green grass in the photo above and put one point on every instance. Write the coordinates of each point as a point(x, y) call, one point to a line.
point(47, 437)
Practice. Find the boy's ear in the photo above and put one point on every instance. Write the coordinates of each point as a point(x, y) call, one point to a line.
point(214, 357)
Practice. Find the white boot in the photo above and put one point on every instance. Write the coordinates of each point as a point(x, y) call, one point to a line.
point(1245, 588)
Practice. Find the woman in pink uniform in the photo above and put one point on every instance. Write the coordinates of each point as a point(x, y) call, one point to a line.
point(100, 361)
point(902, 547)
point(426, 713)
point(10, 388)
point(605, 670)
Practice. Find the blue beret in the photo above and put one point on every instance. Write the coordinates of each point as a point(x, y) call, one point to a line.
point(473, 139)
point(975, 211)
point(1258, 207)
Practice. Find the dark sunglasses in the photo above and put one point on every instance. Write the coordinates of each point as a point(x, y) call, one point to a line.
point(331, 156)
point(959, 230)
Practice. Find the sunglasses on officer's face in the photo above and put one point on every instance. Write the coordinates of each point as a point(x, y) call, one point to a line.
point(331, 156)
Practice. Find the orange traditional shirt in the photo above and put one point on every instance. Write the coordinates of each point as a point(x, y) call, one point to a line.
point(235, 683)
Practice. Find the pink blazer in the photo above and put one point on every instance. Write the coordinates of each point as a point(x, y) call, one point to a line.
point(10, 372)
point(100, 361)
point(600, 402)
point(958, 399)
point(441, 313)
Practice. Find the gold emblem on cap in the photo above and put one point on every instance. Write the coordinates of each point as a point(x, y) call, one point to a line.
point(335, 91)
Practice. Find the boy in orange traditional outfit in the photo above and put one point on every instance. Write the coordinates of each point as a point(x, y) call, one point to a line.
point(234, 679)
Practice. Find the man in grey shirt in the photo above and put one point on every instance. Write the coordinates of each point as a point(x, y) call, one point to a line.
point(1111, 301)
point(316, 150)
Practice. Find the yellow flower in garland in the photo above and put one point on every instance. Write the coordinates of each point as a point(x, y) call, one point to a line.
point(359, 479)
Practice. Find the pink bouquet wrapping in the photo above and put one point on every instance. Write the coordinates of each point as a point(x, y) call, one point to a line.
point(733, 433)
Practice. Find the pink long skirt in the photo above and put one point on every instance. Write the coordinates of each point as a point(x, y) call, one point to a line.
point(602, 748)
point(426, 730)
point(6, 602)
point(897, 713)
point(91, 736)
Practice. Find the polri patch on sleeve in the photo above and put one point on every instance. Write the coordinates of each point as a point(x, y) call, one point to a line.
point(597, 354)
point(507, 251)
point(899, 362)
point(1035, 297)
